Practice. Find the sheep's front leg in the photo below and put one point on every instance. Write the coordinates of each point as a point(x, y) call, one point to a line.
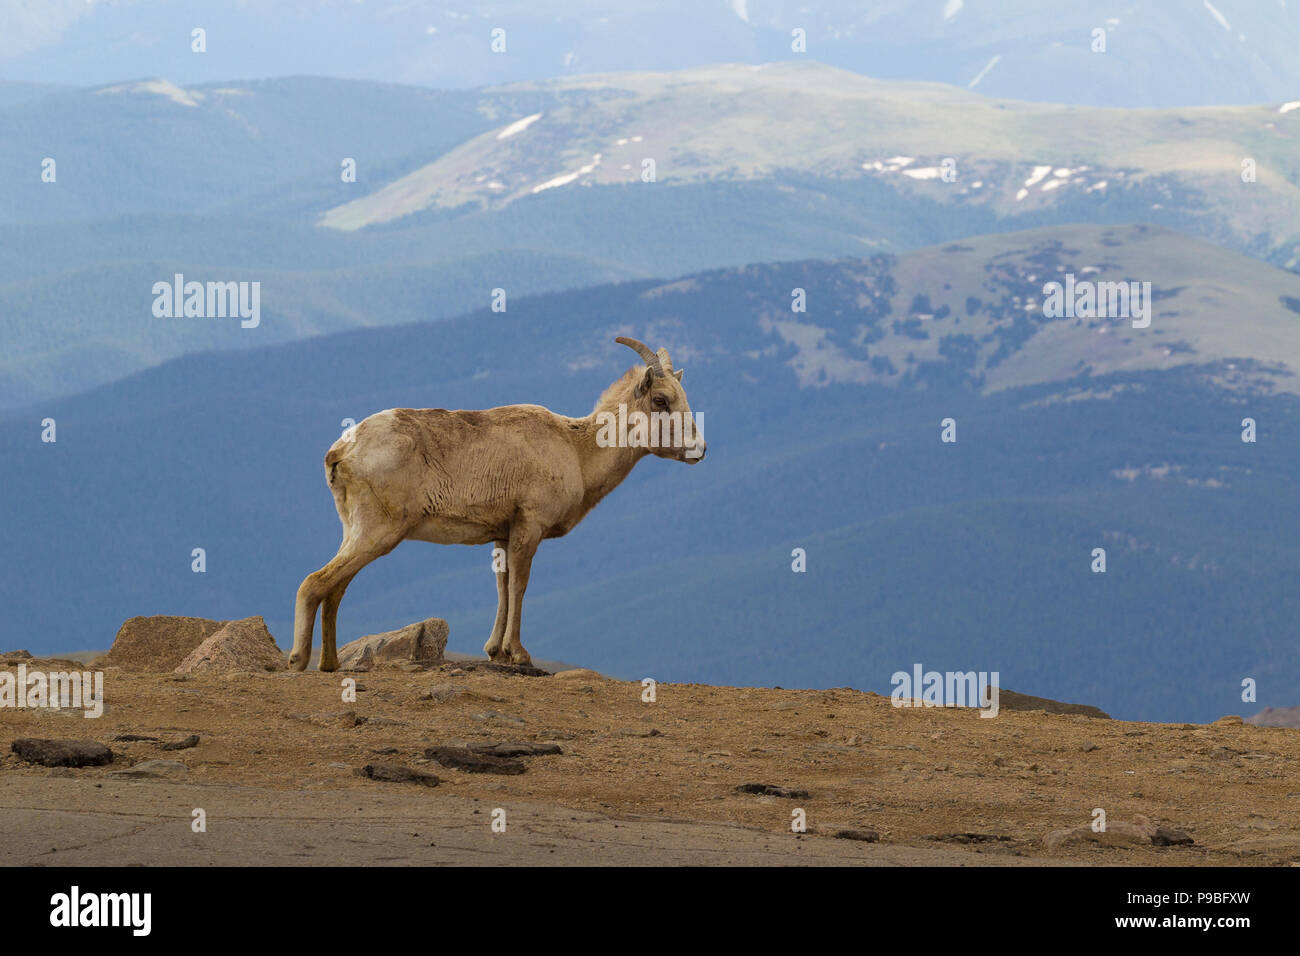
point(524, 540)
point(493, 646)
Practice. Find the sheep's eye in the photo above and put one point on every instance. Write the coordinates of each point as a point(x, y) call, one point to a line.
point(660, 401)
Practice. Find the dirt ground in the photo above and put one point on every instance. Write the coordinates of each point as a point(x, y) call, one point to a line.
point(637, 782)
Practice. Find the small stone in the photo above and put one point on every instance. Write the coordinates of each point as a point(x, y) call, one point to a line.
point(865, 836)
point(336, 718)
point(577, 673)
point(380, 722)
point(152, 768)
point(191, 741)
point(768, 790)
point(441, 693)
point(1168, 836)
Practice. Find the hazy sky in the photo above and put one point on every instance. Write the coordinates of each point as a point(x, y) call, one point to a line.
point(1153, 52)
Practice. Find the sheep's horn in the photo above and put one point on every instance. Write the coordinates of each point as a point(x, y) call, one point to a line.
point(643, 350)
point(665, 362)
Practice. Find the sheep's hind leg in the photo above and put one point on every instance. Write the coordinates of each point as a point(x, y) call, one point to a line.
point(329, 610)
point(493, 646)
point(316, 587)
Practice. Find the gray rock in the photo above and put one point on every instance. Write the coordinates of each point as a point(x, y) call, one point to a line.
point(1276, 717)
point(422, 643)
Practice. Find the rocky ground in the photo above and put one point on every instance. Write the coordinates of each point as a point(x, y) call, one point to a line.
point(279, 769)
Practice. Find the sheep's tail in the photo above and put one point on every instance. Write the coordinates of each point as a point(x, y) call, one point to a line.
point(338, 451)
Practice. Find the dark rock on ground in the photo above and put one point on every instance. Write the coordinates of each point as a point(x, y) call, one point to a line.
point(522, 670)
point(191, 741)
point(151, 769)
point(865, 836)
point(462, 758)
point(1010, 700)
point(768, 790)
point(515, 749)
point(966, 838)
point(396, 773)
point(62, 753)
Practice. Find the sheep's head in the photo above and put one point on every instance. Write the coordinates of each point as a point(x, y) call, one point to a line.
point(659, 394)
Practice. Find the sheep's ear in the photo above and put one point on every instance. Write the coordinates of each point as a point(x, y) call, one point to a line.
point(678, 374)
point(646, 382)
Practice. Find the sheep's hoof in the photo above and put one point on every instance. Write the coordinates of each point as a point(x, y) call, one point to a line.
point(329, 665)
point(298, 662)
point(522, 659)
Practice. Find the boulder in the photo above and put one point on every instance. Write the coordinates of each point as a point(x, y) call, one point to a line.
point(422, 643)
point(1141, 832)
point(156, 644)
point(244, 645)
point(1276, 717)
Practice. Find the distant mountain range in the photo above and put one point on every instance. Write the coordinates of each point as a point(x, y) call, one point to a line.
point(1157, 53)
point(824, 434)
point(461, 193)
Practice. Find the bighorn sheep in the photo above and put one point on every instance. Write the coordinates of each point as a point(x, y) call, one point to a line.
point(512, 476)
